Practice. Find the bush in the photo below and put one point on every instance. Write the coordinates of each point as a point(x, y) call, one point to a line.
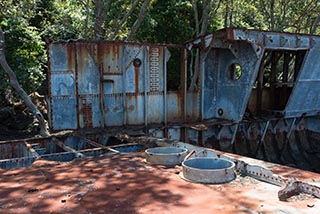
point(25, 53)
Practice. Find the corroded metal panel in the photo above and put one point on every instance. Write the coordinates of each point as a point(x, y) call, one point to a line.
point(87, 69)
point(135, 109)
point(112, 67)
point(305, 98)
point(156, 66)
point(13, 150)
point(110, 54)
point(174, 133)
point(226, 97)
point(61, 58)
point(113, 110)
point(155, 107)
point(64, 115)
point(113, 83)
point(102, 84)
point(193, 106)
point(62, 84)
point(90, 111)
point(88, 85)
point(134, 67)
point(174, 106)
point(270, 40)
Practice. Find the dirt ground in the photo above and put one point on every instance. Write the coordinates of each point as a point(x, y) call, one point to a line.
point(16, 121)
point(126, 184)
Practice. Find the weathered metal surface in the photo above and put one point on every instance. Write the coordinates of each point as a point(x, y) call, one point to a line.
point(305, 97)
point(263, 171)
point(108, 84)
point(62, 87)
point(192, 106)
point(69, 147)
point(88, 85)
point(156, 112)
point(174, 101)
point(257, 92)
point(226, 97)
point(13, 150)
point(165, 155)
point(22, 153)
point(78, 187)
point(208, 170)
point(17, 162)
point(113, 84)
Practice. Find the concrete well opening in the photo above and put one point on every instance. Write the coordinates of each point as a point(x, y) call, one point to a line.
point(208, 170)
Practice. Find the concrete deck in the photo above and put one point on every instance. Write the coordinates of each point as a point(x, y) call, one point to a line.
point(124, 183)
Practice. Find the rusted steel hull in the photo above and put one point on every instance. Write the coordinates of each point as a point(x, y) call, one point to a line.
point(257, 92)
point(109, 84)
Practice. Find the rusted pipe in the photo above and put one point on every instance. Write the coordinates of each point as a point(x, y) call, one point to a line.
point(189, 155)
point(67, 148)
point(31, 150)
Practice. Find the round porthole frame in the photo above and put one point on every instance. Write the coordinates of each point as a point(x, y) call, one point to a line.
point(220, 111)
point(137, 62)
point(235, 71)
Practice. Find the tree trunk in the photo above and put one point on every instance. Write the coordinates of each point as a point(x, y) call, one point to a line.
point(123, 20)
point(196, 16)
point(314, 25)
point(14, 83)
point(101, 8)
point(272, 15)
point(205, 16)
point(204, 27)
point(196, 69)
point(226, 15)
point(231, 14)
point(86, 22)
point(139, 20)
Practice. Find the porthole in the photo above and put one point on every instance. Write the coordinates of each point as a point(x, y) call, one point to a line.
point(235, 71)
point(137, 62)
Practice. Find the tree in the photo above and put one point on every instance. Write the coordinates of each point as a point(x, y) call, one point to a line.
point(116, 29)
point(101, 9)
point(27, 24)
point(201, 27)
point(139, 20)
point(24, 47)
point(15, 84)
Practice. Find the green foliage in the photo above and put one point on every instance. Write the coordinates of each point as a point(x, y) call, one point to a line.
point(28, 23)
point(24, 50)
point(61, 20)
point(168, 22)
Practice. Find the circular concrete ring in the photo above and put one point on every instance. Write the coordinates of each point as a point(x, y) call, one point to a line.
point(208, 170)
point(166, 155)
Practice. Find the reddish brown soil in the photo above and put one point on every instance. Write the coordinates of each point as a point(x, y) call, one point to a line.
point(126, 184)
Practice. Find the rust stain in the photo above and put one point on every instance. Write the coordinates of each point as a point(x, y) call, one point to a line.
point(70, 49)
point(107, 49)
point(137, 78)
point(131, 108)
point(116, 108)
point(180, 106)
point(85, 52)
point(80, 58)
point(230, 33)
point(86, 111)
point(115, 50)
point(111, 59)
